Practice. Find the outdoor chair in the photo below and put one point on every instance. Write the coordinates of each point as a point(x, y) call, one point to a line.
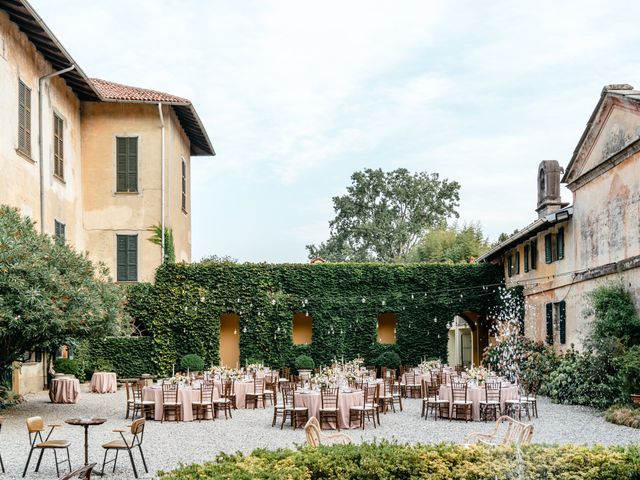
point(137, 430)
point(329, 405)
point(431, 401)
point(144, 407)
point(531, 392)
point(270, 387)
point(1, 464)
point(35, 427)
point(257, 394)
point(517, 405)
point(296, 413)
point(411, 388)
point(285, 372)
point(170, 403)
point(205, 403)
point(516, 433)
point(315, 437)
point(492, 402)
point(368, 409)
point(460, 402)
point(80, 473)
point(386, 397)
point(396, 392)
point(278, 408)
point(226, 400)
point(129, 394)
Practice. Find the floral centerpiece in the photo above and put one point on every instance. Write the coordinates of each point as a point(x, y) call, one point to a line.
point(179, 378)
point(427, 365)
point(479, 374)
point(254, 367)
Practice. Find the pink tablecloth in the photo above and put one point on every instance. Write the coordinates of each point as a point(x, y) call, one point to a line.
point(477, 393)
point(104, 382)
point(64, 390)
point(313, 402)
point(186, 396)
point(241, 388)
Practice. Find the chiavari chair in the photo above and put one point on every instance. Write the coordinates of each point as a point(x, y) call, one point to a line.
point(329, 405)
point(460, 402)
point(170, 402)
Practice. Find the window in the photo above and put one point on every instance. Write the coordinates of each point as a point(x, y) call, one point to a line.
point(562, 321)
point(184, 186)
point(58, 147)
point(549, 319)
point(387, 328)
point(302, 328)
point(548, 248)
point(534, 254)
point(560, 244)
point(554, 246)
point(517, 265)
point(510, 265)
point(526, 258)
point(127, 164)
point(127, 261)
point(59, 232)
point(24, 119)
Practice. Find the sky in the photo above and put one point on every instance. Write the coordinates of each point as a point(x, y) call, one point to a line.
point(298, 95)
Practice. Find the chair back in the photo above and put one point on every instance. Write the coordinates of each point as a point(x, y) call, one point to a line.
point(137, 430)
point(410, 377)
point(458, 391)
point(35, 424)
point(493, 391)
point(258, 386)
point(312, 432)
point(329, 397)
point(285, 372)
point(206, 393)
point(370, 393)
point(169, 393)
point(227, 388)
point(517, 432)
point(287, 395)
point(136, 392)
point(433, 389)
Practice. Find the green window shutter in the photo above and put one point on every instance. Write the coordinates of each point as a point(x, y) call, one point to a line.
point(132, 258)
point(517, 262)
point(24, 118)
point(560, 243)
point(510, 265)
point(184, 186)
point(127, 164)
point(121, 164)
point(122, 241)
point(59, 232)
point(534, 254)
point(549, 318)
point(132, 165)
point(526, 258)
point(562, 324)
point(127, 258)
point(548, 249)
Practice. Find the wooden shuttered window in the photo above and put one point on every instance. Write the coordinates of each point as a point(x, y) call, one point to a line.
point(58, 146)
point(517, 263)
point(24, 118)
point(534, 254)
point(560, 244)
point(548, 248)
point(127, 164)
point(562, 322)
point(127, 261)
point(549, 319)
point(510, 265)
point(525, 258)
point(60, 232)
point(184, 186)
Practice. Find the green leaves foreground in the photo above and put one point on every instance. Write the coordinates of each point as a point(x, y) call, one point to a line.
point(434, 462)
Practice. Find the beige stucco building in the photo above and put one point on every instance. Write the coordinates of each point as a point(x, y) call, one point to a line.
point(571, 249)
point(93, 163)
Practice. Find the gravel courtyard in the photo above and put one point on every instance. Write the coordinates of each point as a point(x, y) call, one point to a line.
point(169, 444)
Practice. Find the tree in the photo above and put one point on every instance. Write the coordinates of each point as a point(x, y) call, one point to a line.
point(169, 247)
point(49, 294)
point(384, 214)
point(450, 245)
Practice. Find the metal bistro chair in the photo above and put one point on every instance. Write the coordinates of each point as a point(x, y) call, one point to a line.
point(137, 430)
point(170, 403)
point(460, 402)
point(35, 427)
point(329, 407)
point(492, 402)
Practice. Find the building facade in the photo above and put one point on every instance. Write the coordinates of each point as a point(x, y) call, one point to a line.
point(571, 249)
point(94, 163)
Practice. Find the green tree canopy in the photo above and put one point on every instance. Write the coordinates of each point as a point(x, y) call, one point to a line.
point(384, 215)
point(453, 244)
point(49, 294)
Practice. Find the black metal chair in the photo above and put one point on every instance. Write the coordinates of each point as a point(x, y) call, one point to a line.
point(137, 430)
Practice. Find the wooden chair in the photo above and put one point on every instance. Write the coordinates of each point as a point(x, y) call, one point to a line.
point(226, 400)
point(278, 408)
point(531, 393)
point(285, 372)
point(296, 413)
point(367, 410)
point(128, 388)
point(516, 433)
point(315, 437)
point(137, 430)
point(459, 402)
point(329, 408)
point(431, 401)
point(492, 402)
point(411, 388)
point(396, 392)
point(35, 427)
point(170, 403)
point(270, 387)
point(81, 473)
point(1, 464)
point(205, 403)
point(517, 405)
point(144, 407)
point(385, 397)
point(257, 394)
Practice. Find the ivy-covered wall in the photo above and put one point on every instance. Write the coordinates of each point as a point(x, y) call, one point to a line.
point(344, 300)
point(129, 356)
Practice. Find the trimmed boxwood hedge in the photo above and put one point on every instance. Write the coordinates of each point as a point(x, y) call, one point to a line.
point(129, 356)
point(433, 462)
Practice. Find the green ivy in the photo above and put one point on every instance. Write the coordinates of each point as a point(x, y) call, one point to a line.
point(129, 356)
point(182, 311)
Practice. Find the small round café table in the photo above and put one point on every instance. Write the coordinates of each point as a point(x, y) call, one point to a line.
point(86, 423)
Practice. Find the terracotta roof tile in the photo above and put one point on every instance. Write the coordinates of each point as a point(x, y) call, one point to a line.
point(117, 91)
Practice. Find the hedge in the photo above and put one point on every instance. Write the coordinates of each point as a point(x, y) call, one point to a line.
point(434, 462)
point(130, 356)
point(344, 300)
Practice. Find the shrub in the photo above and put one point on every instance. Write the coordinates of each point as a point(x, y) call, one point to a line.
point(630, 370)
point(67, 366)
point(629, 417)
point(435, 462)
point(304, 362)
point(128, 356)
point(192, 362)
point(614, 314)
point(389, 360)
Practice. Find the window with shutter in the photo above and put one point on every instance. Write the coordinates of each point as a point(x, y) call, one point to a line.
point(560, 244)
point(127, 164)
point(534, 254)
point(510, 265)
point(184, 186)
point(517, 263)
point(548, 249)
point(24, 118)
point(525, 257)
point(60, 232)
point(562, 322)
point(58, 147)
point(127, 258)
point(549, 318)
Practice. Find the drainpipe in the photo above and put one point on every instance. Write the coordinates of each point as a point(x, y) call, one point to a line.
point(162, 180)
point(41, 81)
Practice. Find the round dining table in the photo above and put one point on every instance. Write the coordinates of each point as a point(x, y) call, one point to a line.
point(346, 399)
point(477, 393)
point(240, 388)
point(104, 382)
point(64, 390)
point(186, 396)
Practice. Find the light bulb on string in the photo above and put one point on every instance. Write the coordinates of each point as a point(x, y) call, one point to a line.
point(273, 302)
point(363, 300)
point(244, 330)
point(384, 302)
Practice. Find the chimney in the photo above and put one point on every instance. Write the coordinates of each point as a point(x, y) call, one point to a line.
point(549, 199)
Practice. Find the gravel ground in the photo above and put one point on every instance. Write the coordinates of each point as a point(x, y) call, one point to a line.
point(168, 444)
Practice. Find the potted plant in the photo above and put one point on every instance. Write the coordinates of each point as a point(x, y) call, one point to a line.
point(304, 365)
point(192, 363)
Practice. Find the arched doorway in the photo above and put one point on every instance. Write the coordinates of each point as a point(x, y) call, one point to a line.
point(230, 340)
point(468, 338)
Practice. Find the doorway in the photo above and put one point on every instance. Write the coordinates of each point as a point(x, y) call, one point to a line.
point(230, 340)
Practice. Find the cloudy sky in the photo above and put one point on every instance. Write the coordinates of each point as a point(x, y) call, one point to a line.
point(297, 95)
